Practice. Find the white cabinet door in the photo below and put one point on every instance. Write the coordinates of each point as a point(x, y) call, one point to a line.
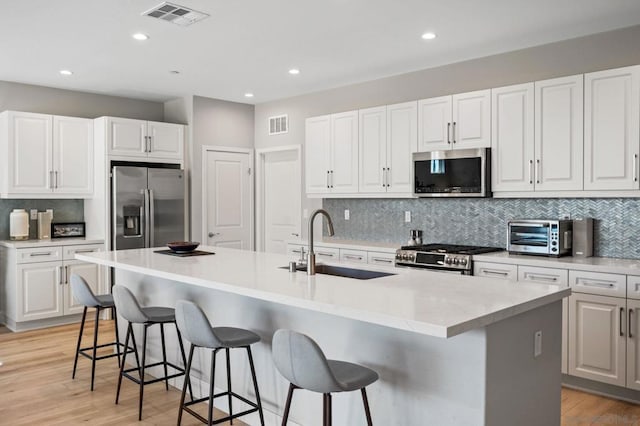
point(73, 155)
point(30, 154)
point(317, 154)
point(434, 124)
point(471, 125)
point(402, 142)
point(611, 131)
point(127, 137)
point(90, 272)
point(512, 138)
point(597, 338)
point(40, 290)
point(633, 344)
point(166, 140)
point(558, 134)
point(373, 149)
point(344, 153)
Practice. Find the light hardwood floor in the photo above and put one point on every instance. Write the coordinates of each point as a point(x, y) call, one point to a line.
point(36, 388)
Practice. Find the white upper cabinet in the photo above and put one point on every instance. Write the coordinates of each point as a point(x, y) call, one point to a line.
point(388, 136)
point(144, 139)
point(558, 134)
point(471, 126)
point(455, 122)
point(373, 149)
point(611, 131)
point(512, 138)
point(317, 154)
point(46, 156)
point(331, 146)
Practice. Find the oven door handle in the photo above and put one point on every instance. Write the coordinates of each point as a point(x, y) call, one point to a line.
point(532, 225)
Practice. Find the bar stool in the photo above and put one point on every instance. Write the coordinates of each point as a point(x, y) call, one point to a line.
point(130, 310)
point(83, 295)
point(301, 361)
point(198, 331)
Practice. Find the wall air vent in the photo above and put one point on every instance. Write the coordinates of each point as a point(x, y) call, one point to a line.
point(175, 14)
point(278, 124)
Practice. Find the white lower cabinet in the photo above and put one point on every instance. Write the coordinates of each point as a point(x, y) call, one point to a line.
point(495, 270)
point(343, 254)
point(36, 282)
point(353, 256)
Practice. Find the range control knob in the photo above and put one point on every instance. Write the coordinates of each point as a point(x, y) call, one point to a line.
point(456, 261)
point(412, 257)
point(447, 260)
point(463, 262)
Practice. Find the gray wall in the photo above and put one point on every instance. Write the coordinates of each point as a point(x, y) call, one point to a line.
point(47, 100)
point(220, 123)
point(596, 52)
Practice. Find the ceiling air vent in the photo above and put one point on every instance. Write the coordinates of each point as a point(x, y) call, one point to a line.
point(175, 14)
point(278, 124)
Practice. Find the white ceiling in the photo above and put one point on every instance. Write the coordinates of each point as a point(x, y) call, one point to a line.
point(248, 45)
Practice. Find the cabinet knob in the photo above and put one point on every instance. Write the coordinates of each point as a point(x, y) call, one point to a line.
point(213, 234)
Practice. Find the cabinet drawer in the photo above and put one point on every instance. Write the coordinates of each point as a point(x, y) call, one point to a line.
point(353, 256)
point(69, 252)
point(598, 283)
point(380, 258)
point(326, 253)
point(633, 287)
point(39, 254)
point(559, 277)
point(495, 270)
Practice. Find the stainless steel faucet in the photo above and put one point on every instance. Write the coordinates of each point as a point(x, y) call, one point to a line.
point(311, 256)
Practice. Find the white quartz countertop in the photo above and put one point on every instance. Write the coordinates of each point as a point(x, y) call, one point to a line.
point(48, 243)
point(431, 303)
point(351, 244)
point(595, 264)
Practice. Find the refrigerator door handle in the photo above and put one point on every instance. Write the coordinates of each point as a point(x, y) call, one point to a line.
point(145, 215)
point(152, 209)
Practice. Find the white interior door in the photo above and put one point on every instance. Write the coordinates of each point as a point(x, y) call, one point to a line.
point(281, 187)
point(228, 199)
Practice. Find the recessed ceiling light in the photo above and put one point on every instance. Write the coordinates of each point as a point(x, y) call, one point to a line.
point(428, 36)
point(140, 36)
point(294, 71)
point(66, 72)
point(248, 95)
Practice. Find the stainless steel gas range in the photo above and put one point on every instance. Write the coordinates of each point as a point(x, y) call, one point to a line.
point(442, 257)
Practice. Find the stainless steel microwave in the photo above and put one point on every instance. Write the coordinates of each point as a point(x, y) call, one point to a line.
point(454, 173)
point(541, 237)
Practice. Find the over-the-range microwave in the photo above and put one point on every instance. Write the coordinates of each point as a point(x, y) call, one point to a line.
point(454, 173)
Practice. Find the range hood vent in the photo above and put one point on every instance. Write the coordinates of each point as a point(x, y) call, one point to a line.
point(179, 15)
point(278, 124)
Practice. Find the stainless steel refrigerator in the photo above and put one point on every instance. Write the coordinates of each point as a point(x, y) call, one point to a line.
point(148, 207)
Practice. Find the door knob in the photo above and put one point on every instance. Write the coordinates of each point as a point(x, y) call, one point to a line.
point(213, 234)
point(295, 235)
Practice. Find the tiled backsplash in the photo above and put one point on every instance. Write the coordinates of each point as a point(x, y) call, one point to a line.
point(484, 221)
point(63, 211)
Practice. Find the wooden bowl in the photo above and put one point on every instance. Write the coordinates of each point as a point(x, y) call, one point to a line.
point(183, 246)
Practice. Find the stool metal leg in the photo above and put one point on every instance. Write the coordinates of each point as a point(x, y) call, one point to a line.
point(255, 386)
point(144, 356)
point(95, 347)
point(287, 406)
point(326, 403)
point(187, 380)
point(211, 387)
point(184, 359)
point(365, 400)
point(164, 357)
point(75, 362)
point(115, 323)
point(124, 358)
point(229, 385)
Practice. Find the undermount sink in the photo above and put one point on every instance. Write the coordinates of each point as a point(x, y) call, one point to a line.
point(341, 271)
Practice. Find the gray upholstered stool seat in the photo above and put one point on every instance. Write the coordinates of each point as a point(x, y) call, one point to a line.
point(301, 361)
point(83, 294)
point(130, 309)
point(197, 329)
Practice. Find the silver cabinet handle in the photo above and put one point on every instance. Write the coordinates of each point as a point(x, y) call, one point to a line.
point(453, 131)
point(328, 179)
point(85, 251)
point(621, 321)
point(538, 170)
point(295, 234)
point(213, 234)
point(150, 143)
point(542, 277)
point(331, 173)
point(353, 256)
point(530, 172)
point(325, 254)
point(384, 177)
point(66, 274)
point(449, 133)
point(596, 284)
point(492, 272)
point(295, 251)
point(42, 253)
point(380, 259)
point(635, 167)
point(388, 177)
point(629, 324)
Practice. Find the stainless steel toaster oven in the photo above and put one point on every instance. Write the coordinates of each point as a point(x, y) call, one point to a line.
point(540, 236)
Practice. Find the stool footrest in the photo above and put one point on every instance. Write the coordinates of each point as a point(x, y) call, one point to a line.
point(180, 372)
point(186, 408)
point(105, 345)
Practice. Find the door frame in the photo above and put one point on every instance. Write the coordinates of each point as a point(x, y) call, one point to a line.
point(260, 197)
point(205, 213)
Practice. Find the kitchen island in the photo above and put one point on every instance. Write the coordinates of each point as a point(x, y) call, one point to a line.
point(450, 349)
